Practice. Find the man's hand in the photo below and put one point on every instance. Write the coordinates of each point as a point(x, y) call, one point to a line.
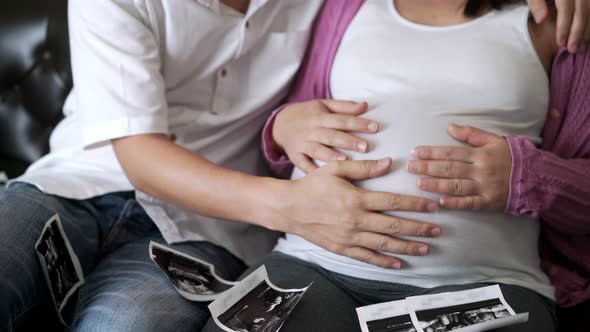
point(326, 209)
point(573, 16)
point(310, 130)
point(473, 178)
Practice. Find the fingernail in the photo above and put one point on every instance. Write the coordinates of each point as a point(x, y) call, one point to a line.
point(341, 158)
point(373, 127)
point(414, 152)
point(442, 201)
point(423, 250)
point(432, 207)
point(423, 184)
point(362, 147)
point(411, 167)
point(397, 265)
point(538, 14)
point(435, 232)
point(384, 162)
point(561, 41)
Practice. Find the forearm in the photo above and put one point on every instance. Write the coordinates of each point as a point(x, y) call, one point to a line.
point(544, 185)
point(323, 208)
point(174, 174)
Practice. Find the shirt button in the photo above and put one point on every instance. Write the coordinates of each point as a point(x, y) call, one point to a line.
point(223, 72)
point(555, 113)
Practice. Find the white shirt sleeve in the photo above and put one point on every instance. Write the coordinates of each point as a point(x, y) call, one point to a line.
point(116, 70)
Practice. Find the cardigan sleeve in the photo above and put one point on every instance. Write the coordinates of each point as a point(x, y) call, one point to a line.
point(553, 182)
point(276, 158)
point(544, 185)
point(311, 80)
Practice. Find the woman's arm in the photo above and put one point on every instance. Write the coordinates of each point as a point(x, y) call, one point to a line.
point(545, 185)
point(509, 174)
point(299, 132)
point(311, 85)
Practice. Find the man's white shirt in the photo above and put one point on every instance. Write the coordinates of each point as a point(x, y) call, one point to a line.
point(194, 69)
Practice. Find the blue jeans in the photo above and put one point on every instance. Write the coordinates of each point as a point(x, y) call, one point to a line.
point(329, 304)
point(124, 289)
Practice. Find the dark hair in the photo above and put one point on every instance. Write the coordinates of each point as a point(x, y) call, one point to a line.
point(474, 7)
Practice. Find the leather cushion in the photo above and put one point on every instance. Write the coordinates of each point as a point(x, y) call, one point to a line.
point(35, 78)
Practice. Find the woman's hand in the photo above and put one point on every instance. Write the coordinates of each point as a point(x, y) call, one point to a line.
point(327, 210)
point(573, 21)
point(473, 178)
point(308, 130)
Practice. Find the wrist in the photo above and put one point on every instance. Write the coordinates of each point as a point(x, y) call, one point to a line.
point(270, 198)
point(522, 170)
point(277, 141)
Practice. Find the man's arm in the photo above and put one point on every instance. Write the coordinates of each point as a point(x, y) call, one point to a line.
point(121, 99)
point(324, 207)
point(172, 173)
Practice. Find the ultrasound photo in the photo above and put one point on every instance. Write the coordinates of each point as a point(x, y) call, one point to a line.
point(471, 310)
point(264, 309)
point(59, 263)
point(255, 305)
point(193, 279)
point(392, 316)
point(392, 324)
point(460, 316)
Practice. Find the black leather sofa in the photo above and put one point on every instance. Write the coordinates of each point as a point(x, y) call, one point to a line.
point(35, 78)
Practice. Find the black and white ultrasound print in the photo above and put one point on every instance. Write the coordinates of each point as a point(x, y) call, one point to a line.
point(60, 265)
point(193, 278)
point(255, 305)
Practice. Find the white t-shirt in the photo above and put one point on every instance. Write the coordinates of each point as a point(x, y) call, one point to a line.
point(418, 79)
point(193, 68)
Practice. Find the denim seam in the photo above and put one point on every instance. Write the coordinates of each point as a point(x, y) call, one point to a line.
point(115, 230)
point(27, 309)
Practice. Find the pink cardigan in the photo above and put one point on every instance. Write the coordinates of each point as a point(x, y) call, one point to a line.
point(552, 183)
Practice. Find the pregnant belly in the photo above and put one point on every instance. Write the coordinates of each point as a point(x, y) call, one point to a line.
point(470, 240)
